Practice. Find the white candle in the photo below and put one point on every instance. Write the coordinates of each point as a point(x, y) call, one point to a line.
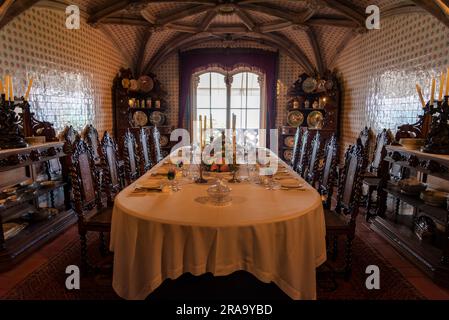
point(440, 94)
point(11, 90)
point(421, 98)
point(27, 94)
point(432, 92)
point(201, 131)
point(6, 88)
point(447, 83)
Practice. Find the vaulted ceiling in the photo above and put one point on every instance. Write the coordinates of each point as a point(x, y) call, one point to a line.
point(312, 32)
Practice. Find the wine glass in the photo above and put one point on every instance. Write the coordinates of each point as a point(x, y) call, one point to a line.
point(171, 176)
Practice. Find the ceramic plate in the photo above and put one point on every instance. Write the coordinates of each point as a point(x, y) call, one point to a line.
point(295, 118)
point(309, 85)
point(329, 85)
point(315, 120)
point(146, 84)
point(157, 118)
point(133, 85)
point(140, 118)
point(164, 141)
point(289, 141)
point(288, 155)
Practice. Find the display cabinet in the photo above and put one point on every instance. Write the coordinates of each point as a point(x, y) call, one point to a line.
point(418, 226)
point(34, 199)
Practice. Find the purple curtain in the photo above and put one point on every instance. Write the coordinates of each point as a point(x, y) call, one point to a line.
point(193, 61)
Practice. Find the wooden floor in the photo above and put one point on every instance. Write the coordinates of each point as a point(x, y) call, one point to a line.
point(10, 278)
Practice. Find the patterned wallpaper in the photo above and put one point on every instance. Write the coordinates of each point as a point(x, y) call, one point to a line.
point(73, 69)
point(379, 70)
point(168, 74)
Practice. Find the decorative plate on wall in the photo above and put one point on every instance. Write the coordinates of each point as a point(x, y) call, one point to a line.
point(125, 83)
point(133, 85)
point(140, 118)
point(157, 118)
point(295, 118)
point(309, 85)
point(315, 120)
point(288, 154)
point(289, 141)
point(164, 141)
point(146, 84)
point(329, 85)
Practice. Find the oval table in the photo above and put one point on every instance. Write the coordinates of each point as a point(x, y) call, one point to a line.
point(277, 235)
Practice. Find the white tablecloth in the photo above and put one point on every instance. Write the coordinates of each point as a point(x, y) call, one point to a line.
point(278, 236)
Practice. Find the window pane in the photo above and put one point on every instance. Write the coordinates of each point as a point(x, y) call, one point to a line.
point(219, 118)
point(204, 80)
point(253, 119)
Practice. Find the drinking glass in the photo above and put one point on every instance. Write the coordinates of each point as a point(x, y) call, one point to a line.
point(171, 176)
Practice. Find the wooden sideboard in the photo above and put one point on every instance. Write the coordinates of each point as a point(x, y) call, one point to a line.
point(43, 162)
point(431, 254)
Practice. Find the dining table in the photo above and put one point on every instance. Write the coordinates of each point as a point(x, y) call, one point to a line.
point(276, 234)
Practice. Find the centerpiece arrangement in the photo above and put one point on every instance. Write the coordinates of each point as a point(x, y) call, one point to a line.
point(220, 163)
point(15, 127)
point(432, 130)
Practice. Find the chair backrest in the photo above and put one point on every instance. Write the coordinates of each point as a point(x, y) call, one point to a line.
point(109, 161)
point(350, 183)
point(156, 145)
point(315, 157)
point(295, 152)
point(328, 174)
point(130, 157)
point(385, 137)
point(303, 149)
point(69, 135)
point(365, 139)
point(144, 150)
point(92, 139)
point(83, 178)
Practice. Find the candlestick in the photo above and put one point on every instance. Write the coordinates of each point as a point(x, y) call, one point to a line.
point(440, 94)
point(211, 126)
point(234, 118)
point(1, 87)
point(447, 83)
point(205, 129)
point(418, 89)
point(201, 133)
point(27, 94)
point(432, 92)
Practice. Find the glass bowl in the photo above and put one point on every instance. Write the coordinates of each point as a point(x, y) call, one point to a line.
point(219, 193)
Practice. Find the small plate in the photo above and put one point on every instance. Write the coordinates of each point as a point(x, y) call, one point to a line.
point(140, 118)
point(309, 85)
point(133, 85)
point(290, 183)
point(157, 118)
point(295, 118)
point(146, 84)
point(288, 154)
point(315, 120)
point(164, 141)
point(289, 141)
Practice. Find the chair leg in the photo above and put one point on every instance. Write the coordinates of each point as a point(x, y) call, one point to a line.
point(368, 205)
point(84, 259)
point(348, 258)
point(103, 247)
point(334, 248)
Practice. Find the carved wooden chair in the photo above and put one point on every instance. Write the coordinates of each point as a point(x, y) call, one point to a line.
point(69, 135)
point(342, 220)
point(315, 160)
point(90, 135)
point(295, 153)
point(155, 145)
point(303, 149)
point(144, 150)
point(372, 177)
point(113, 177)
point(92, 216)
point(329, 172)
point(365, 139)
point(131, 159)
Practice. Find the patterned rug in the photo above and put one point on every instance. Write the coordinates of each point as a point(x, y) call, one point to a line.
point(48, 282)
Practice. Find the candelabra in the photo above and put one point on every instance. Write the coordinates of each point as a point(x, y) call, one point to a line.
point(11, 133)
point(437, 140)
